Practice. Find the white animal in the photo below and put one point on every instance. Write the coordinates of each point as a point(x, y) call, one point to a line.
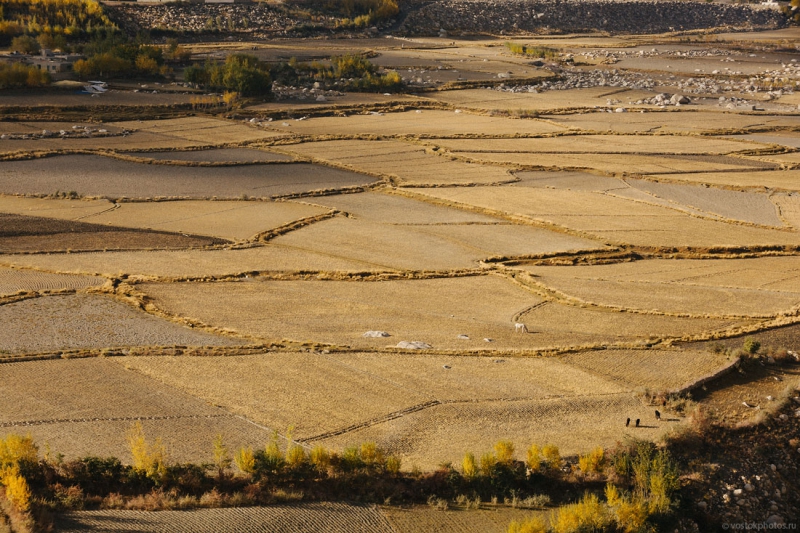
point(520, 328)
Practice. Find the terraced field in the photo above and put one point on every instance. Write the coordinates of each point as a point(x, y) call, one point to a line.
point(523, 260)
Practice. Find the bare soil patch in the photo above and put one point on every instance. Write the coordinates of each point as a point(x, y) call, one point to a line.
point(19, 233)
point(78, 321)
point(92, 175)
point(13, 280)
point(299, 518)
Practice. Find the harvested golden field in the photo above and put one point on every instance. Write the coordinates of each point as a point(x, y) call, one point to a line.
point(19, 233)
point(558, 325)
point(93, 175)
point(707, 202)
point(777, 274)
point(489, 100)
point(311, 392)
point(732, 205)
point(601, 144)
point(790, 139)
point(66, 209)
point(427, 247)
point(14, 280)
point(457, 378)
point(789, 207)
point(623, 164)
point(674, 122)
point(189, 263)
point(311, 517)
point(418, 123)
point(611, 219)
point(657, 370)
point(79, 321)
point(782, 180)
point(233, 221)
point(434, 311)
point(574, 424)
point(407, 163)
point(386, 208)
point(206, 130)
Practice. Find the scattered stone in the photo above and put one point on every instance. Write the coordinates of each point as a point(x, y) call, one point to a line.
point(375, 334)
point(414, 345)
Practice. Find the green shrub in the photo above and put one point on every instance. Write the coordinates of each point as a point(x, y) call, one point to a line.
point(751, 346)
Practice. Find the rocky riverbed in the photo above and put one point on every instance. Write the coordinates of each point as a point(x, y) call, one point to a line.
point(555, 16)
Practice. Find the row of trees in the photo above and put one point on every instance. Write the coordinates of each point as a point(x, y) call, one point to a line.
point(350, 71)
point(640, 497)
point(240, 73)
point(70, 19)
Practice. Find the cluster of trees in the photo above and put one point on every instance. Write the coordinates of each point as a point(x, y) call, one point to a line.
point(240, 73)
point(351, 71)
point(354, 14)
point(532, 51)
point(115, 55)
point(65, 19)
point(16, 75)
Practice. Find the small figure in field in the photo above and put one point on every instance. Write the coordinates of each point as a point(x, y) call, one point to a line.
point(658, 415)
point(628, 422)
point(520, 328)
point(637, 422)
point(664, 403)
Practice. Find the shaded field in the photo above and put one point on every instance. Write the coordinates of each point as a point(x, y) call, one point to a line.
point(421, 122)
point(409, 163)
point(63, 208)
point(89, 321)
point(574, 424)
point(234, 221)
point(13, 281)
point(434, 311)
point(612, 219)
point(92, 175)
point(299, 518)
point(20, 233)
point(191, 263)
point(658, 370)
point(220, 155)
point(428, 247)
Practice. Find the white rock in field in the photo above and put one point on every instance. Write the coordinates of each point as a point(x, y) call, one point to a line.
point(679, 99)
point(321, 98)
point(737, 492)
point(414, 345)
point(620, 110)
point(375, 334)
point(463, 337)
